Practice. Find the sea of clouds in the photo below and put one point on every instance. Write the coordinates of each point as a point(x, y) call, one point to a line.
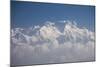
point(52, 43)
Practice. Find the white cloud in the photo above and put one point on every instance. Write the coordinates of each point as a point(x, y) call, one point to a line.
point(49, 45)
point(49, 31)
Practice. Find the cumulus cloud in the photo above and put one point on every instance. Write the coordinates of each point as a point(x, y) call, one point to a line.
point(48, 44)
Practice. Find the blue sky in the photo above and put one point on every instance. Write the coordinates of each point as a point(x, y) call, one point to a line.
point(26, 14)
point(51, 43)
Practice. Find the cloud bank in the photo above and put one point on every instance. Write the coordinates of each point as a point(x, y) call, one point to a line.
point(51, 43)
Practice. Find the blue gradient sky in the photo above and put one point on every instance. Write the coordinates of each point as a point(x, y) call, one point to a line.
point(26, 14)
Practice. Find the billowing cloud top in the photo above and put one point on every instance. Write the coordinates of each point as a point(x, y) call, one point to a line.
point(51, 44)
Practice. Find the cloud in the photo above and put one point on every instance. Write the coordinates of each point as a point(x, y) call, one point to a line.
point(47, 44)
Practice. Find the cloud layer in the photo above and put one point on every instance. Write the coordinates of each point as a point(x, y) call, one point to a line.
point(51, 43)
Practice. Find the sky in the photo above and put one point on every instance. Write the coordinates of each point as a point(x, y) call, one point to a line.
point(25, 14)
point(45, 33)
